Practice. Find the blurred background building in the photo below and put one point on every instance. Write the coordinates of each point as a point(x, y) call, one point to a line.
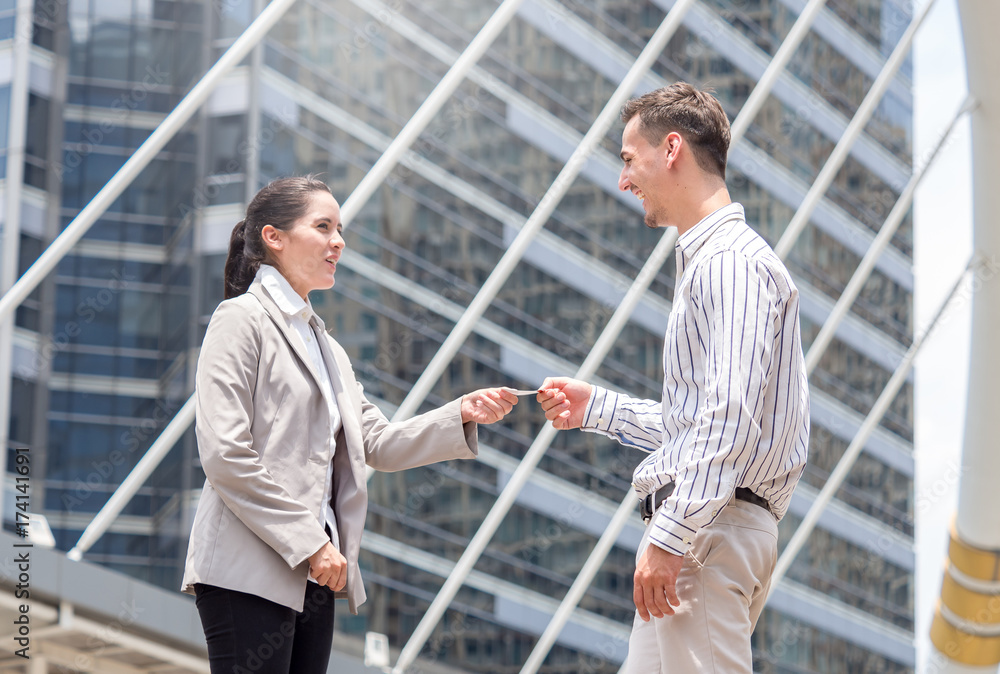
point(104, 350)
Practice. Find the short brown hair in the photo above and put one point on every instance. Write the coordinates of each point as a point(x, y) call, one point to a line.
point(696, 115)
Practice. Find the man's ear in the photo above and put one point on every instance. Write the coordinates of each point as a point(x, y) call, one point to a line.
point(272, 237)
point(672, 146)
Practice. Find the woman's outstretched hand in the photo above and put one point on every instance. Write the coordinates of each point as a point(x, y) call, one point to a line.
point(487, 405)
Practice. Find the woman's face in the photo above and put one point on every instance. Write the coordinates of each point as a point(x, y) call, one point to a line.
point(307, 252)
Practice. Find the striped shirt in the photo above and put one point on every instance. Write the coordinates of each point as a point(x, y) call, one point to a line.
point(735, 408)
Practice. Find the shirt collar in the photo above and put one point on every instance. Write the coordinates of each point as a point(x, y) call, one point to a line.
point(281, 291)
point(691, 241)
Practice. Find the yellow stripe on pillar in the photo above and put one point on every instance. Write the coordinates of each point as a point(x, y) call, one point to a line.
point(972, 561)
point(972, 605)
point(967, 649)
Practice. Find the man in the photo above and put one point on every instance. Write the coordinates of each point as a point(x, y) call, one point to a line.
point(729, 439)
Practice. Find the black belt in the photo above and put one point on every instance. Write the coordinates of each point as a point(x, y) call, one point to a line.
point(652, 502)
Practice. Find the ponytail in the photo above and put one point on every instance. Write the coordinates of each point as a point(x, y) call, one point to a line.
point(279, 204)
point(240, 271)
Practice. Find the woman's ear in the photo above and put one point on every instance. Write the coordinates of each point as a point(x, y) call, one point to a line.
point(272, 238)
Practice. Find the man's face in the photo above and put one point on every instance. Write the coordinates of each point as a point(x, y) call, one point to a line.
point(645, 173)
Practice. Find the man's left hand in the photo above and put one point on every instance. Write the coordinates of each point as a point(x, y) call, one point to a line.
point(655, 590)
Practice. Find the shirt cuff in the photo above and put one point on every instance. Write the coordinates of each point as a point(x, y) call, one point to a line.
point(670, 533)
point(601, 410)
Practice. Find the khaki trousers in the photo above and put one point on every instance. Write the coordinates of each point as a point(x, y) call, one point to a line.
point(721, 586)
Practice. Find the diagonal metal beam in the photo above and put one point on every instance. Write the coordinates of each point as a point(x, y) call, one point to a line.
point(146, 152)
point(851, 133)
point(774, 70)
point(871, 422)
point(541, 214)
point(580, 584)
point(501, 272)
point(879, 244)
point(134, 481)
point(519, 478)
point(600, 552)
point(430, 107)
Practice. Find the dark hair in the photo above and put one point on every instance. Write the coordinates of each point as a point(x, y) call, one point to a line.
point(279, 204)
point(696, 115)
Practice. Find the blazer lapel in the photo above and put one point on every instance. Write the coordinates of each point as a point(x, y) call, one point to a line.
point(345, 399)
point(287, 331)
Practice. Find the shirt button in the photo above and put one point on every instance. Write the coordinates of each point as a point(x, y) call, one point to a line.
point(687, 541)
point(600, 420)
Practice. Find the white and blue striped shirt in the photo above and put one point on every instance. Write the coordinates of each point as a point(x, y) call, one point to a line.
point(735, 408)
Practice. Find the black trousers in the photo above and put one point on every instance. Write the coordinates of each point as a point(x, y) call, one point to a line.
point(247, 634)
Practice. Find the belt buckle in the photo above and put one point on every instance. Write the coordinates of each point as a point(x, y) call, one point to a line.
point(646, 508)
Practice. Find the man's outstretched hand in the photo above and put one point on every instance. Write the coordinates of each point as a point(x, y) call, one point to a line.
point(564, 401)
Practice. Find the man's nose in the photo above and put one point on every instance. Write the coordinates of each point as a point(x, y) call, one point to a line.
point(623, 181)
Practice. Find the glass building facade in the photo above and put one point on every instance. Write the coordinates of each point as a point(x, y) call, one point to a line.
point(104, 350)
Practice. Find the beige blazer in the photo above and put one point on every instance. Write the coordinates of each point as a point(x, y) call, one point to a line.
point(263, 431)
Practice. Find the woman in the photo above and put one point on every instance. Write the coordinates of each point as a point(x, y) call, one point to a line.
point(284, 433)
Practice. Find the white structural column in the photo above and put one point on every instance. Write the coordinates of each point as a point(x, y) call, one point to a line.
point(871, 422)
point(600, 552)
point(146, 152)
point(430, 107)
point(966, 626)
point(879, 244)
point(17, 127)
point(851, 134)
point(389, 159)
point(657, 43)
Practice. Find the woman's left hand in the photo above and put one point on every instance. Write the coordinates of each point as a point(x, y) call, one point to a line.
point(487, 405)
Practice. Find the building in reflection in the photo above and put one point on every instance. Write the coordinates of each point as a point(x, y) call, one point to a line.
point(325, 93)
